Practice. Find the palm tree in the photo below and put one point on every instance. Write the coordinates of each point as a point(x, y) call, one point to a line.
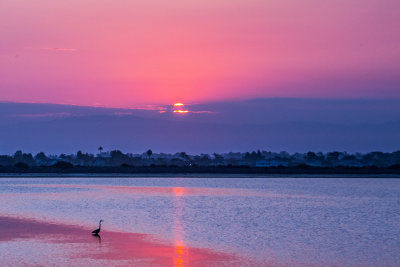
point(100, 149)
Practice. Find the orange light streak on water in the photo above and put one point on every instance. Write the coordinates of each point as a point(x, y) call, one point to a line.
point(180, 253)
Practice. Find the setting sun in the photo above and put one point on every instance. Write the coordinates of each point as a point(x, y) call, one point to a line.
point(181, 111)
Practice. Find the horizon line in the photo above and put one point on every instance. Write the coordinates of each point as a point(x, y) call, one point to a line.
point(141, 106)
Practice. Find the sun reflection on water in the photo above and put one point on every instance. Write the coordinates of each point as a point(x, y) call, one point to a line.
point(180, 253)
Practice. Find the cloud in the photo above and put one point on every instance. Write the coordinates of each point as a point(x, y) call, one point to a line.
point(203, 112)
point(180, 111)
point(123, 113)
point(61, 49)
point(44, 115)
point(150, 107)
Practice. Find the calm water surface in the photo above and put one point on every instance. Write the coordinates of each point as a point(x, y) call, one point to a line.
point(287, 221)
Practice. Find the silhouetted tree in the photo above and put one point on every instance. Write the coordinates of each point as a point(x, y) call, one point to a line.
point(333, 156)
point(41, 156)
point(84, 158)
point(183, 155)
point(253, 156)
point(21, 165)
point(18, 154)
point(22, 161)
point(149, 153)
point(202, 160)
point(63, 165)
point(118, 158)
point(126, 165)
point(312, 156)
point(6, 160)
point(26, 158)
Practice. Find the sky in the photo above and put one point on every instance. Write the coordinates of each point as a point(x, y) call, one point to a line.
point(293, 125)
point(124, 53)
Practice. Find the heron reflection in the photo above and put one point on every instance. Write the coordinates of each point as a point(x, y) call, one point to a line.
point(98, 237)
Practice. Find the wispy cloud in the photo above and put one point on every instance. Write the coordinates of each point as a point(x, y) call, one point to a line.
point(61, 49)
point(203, 112)
point(43, 115)
point(150, 107)
point(123, 113)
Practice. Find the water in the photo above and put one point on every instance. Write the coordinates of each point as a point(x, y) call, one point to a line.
point(286, 221)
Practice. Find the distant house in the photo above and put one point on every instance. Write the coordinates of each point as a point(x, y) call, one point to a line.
point(243, 163)
point(314, 163)
point(277, 163)
point(262, 163)
point(176, 162)
point(100, 162)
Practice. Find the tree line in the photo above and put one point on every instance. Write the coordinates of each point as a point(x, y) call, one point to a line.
point(253, 159)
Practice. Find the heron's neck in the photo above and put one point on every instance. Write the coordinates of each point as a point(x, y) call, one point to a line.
point(99, 225)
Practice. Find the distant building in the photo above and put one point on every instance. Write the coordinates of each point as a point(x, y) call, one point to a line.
point(277, 163)
point(262, 163)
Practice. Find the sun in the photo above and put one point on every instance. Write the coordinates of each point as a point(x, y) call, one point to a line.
point(178, 108)
point(181, 111)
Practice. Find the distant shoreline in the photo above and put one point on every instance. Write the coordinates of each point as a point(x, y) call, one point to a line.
point(197, 175)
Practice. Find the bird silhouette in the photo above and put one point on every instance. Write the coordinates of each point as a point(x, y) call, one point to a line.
point(97, 231)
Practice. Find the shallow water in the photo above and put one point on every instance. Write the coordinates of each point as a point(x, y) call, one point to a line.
point(279, 221)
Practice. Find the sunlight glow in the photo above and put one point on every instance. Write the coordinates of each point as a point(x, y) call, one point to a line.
point(181, 111)
point(179, 191)
point(179, 105)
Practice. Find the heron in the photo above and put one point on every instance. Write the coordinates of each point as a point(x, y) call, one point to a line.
point(97, 231)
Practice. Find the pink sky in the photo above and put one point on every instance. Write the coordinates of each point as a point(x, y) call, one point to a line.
point(123, 53)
